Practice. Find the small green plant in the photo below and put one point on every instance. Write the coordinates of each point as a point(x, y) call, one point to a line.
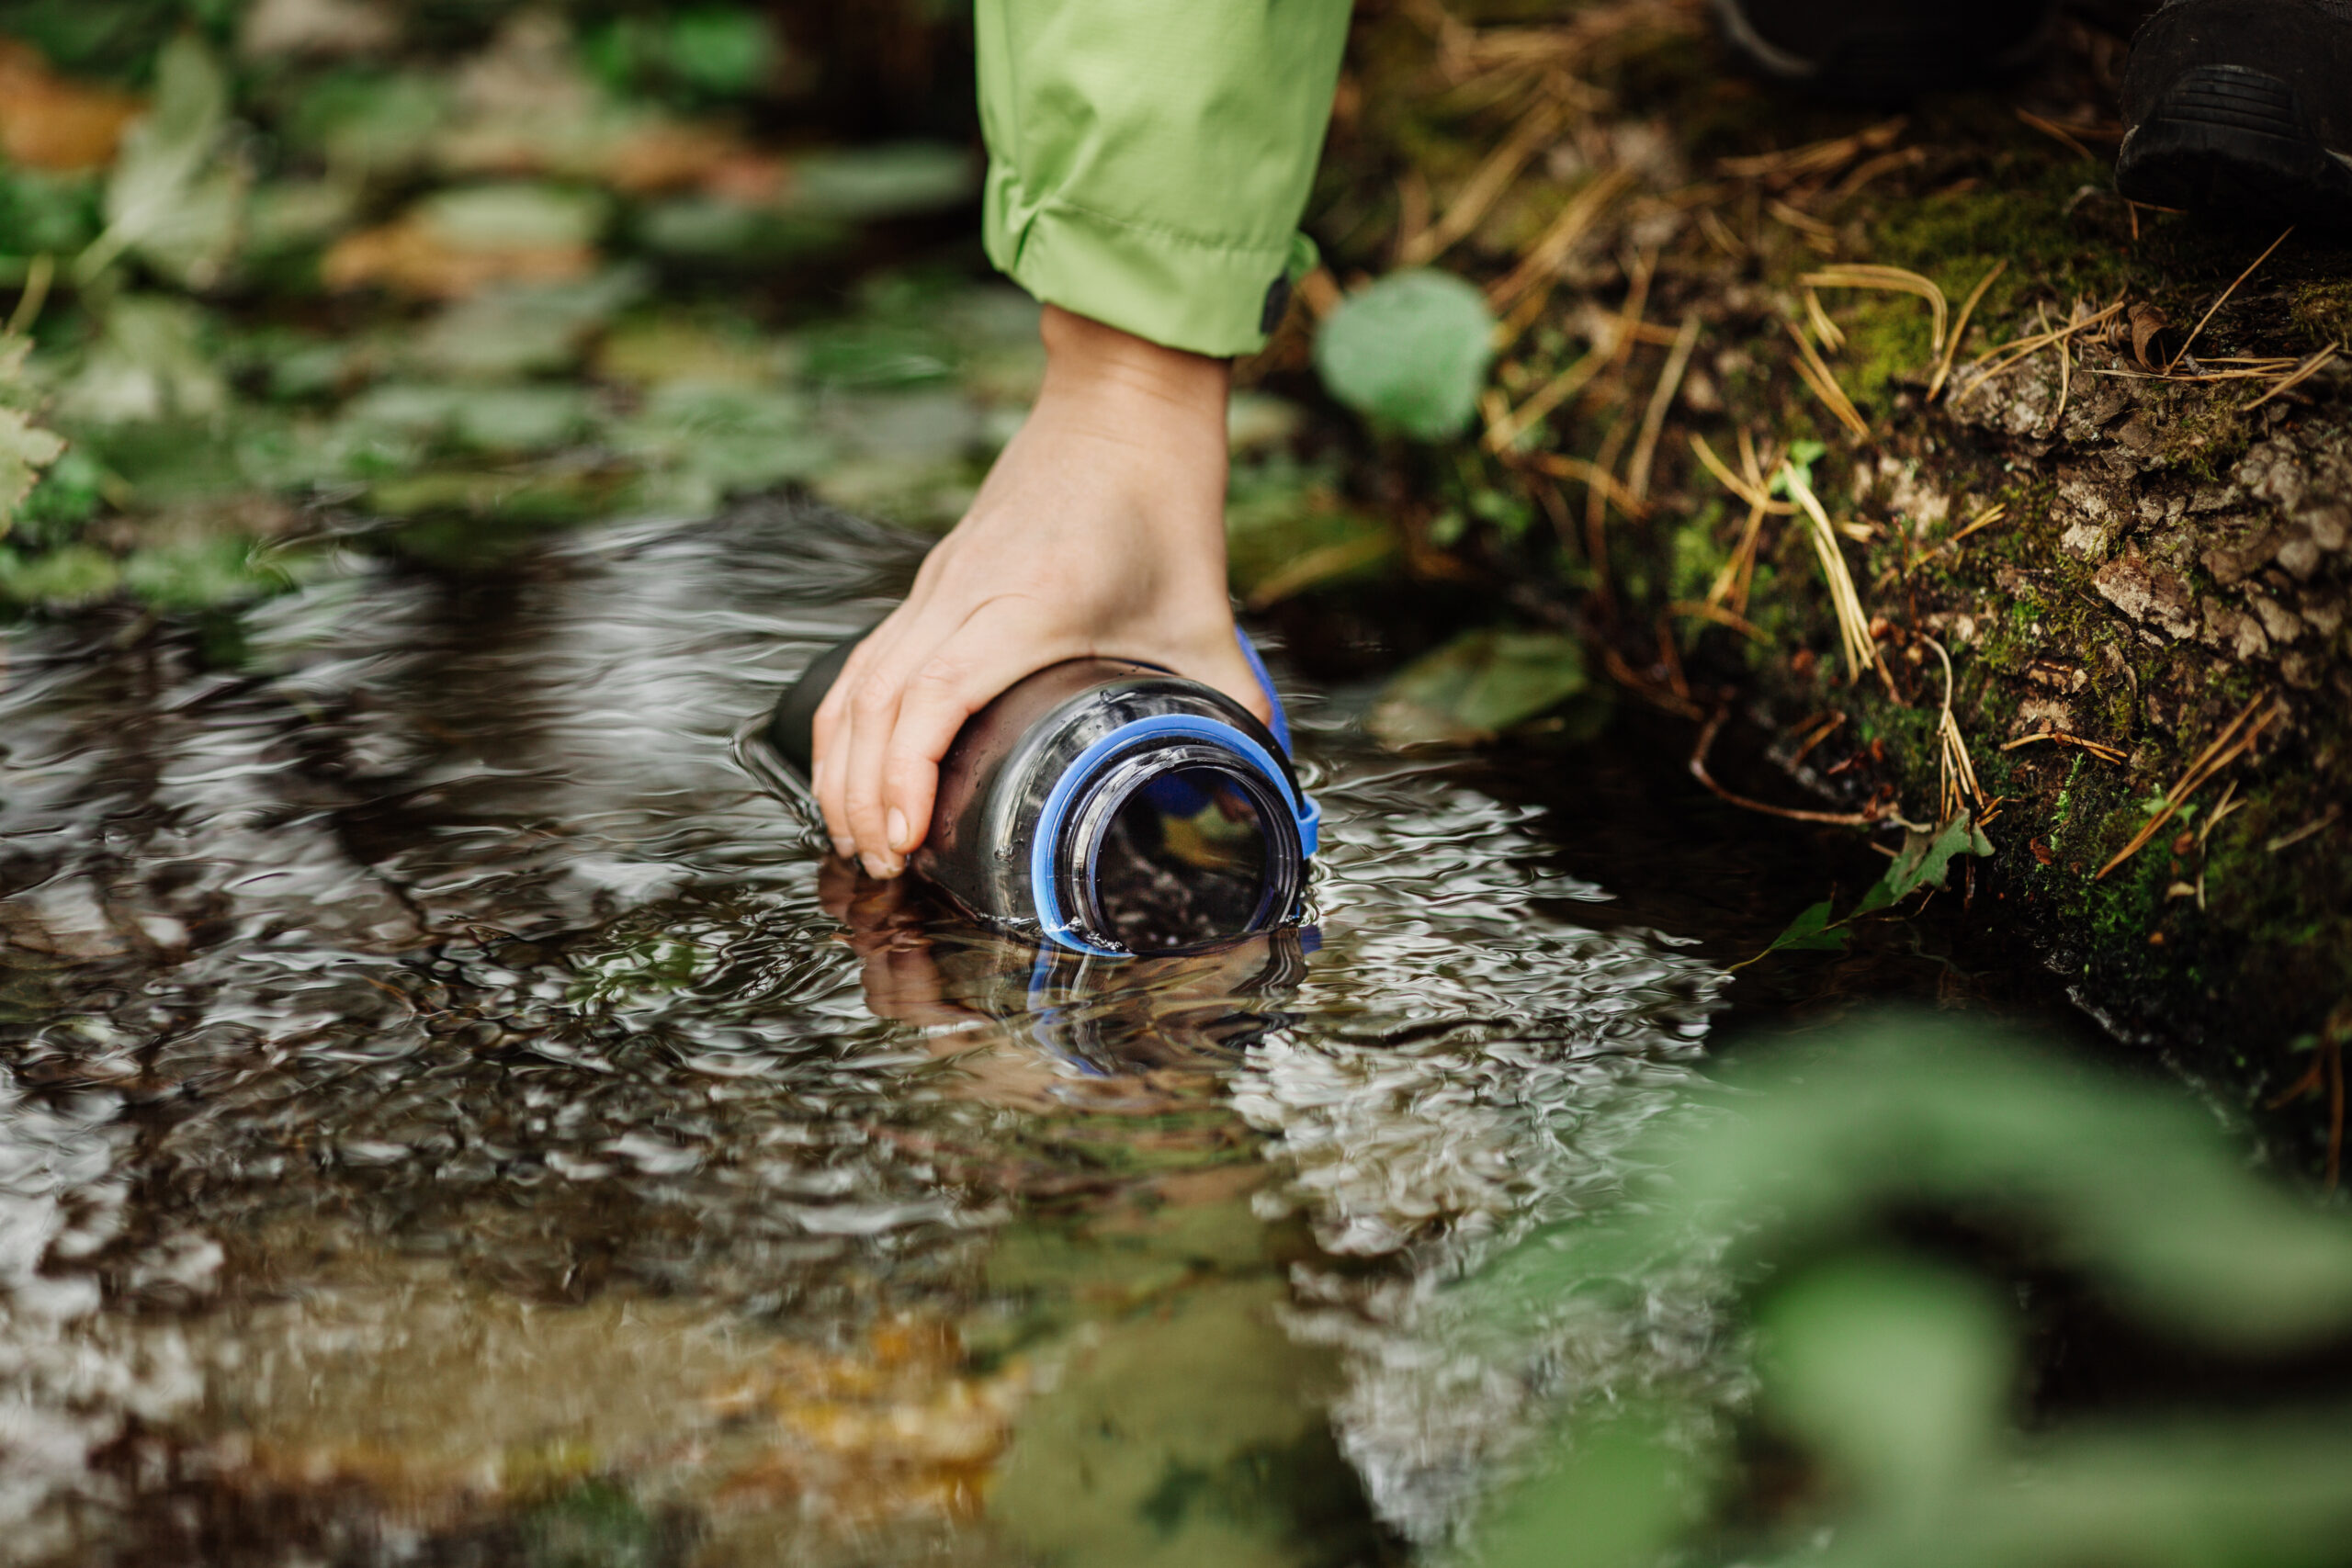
point(1924, 861)
point(24, 448)
point(1893, 1373)
point(1411, 352)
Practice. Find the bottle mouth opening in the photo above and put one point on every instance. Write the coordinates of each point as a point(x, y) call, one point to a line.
point(1179, 848)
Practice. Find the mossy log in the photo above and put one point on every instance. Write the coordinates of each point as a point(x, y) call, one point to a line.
point(2173, 478)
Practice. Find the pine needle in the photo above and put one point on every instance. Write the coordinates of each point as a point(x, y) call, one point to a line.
point(2011, 354)
point(1853, 626)
point(2300, 373)
point(2182, 353)
point(1960, 328)
point(1815, 374)
point(1699, 771)
point(38, 275)
point(1984, 519)
point(1553, 247)
point(1562, 467)
point(1739, 573)
point(1957, 789)
point(1504, 433)
point(1896, 280)
point(1752, 493)
point(1823, 327)
point(1669, 383)
point(1690, 609)
point(1818, 159)
point(2103, 752)
point(1480, 192)
point(2226, 749)
point(2057, 132)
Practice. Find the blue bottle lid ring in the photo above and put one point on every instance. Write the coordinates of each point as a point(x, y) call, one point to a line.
point(1058, 925)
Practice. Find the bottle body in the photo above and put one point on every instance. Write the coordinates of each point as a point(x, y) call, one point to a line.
point(1105, 807)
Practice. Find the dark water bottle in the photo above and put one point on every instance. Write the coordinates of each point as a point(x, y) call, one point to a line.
point(1102, 806)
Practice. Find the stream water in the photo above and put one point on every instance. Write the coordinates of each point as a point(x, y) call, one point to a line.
point(449, 1115)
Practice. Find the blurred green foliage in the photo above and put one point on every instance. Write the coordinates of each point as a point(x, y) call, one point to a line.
point(720, 53)
point(1410, 352)
point(1893, 1372)
point(436, 275)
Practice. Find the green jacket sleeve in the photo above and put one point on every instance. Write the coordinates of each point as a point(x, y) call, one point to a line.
point(1149, 159)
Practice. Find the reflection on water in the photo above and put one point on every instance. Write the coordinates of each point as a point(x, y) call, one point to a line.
point(447, 1111)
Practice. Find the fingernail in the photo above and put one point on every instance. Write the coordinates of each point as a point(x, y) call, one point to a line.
point(844, 849)
point(879, 867)
point(896, 824)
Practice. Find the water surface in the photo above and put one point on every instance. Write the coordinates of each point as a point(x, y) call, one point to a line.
point(450, 1115)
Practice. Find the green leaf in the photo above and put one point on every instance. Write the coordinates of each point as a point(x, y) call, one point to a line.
point(1410, 351)
point(857, 183)
point(521, 329)
point(703, 443)
point(1479, 683)
point(515, 215)
point(1803, 456)
point(60, 579)
point(174, 198)
point(201, 574)
point(722, 50)
point(1812, 931)
point(150, 362)
point(1925, 860)
point(1619, 1497)
point(25, 450)
point(1895, 1372)
point(370, 122)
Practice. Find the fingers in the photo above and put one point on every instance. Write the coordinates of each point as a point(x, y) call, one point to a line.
point(872, 713)
point(996, 648)
point(907, 713)
point(832, 731)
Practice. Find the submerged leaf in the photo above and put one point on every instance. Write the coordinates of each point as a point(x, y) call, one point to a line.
point(47, 122)
point(59, 579)
point(25, 450)
point(150, 363)
point(884, 182)
point(523, 328)
point(1410, 351)
point(1479, 683)
point(174, 198)
point(1618, 1497)
point(201, 574)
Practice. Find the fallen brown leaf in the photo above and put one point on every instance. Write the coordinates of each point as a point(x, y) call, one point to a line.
point(47, 122)
point(2147, 321)
point(408, 257)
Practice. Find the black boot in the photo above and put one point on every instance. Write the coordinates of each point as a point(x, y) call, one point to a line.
point(2241, 106)
point(1885, 51)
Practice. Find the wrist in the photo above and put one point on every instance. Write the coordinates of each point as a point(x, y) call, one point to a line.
point(1085, 357)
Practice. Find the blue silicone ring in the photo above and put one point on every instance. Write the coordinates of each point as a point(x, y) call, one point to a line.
point(1045, 897)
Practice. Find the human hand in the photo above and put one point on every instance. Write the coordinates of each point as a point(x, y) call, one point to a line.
point(1099, 531)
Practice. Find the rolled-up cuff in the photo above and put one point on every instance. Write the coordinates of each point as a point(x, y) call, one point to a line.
point(1177, 289)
